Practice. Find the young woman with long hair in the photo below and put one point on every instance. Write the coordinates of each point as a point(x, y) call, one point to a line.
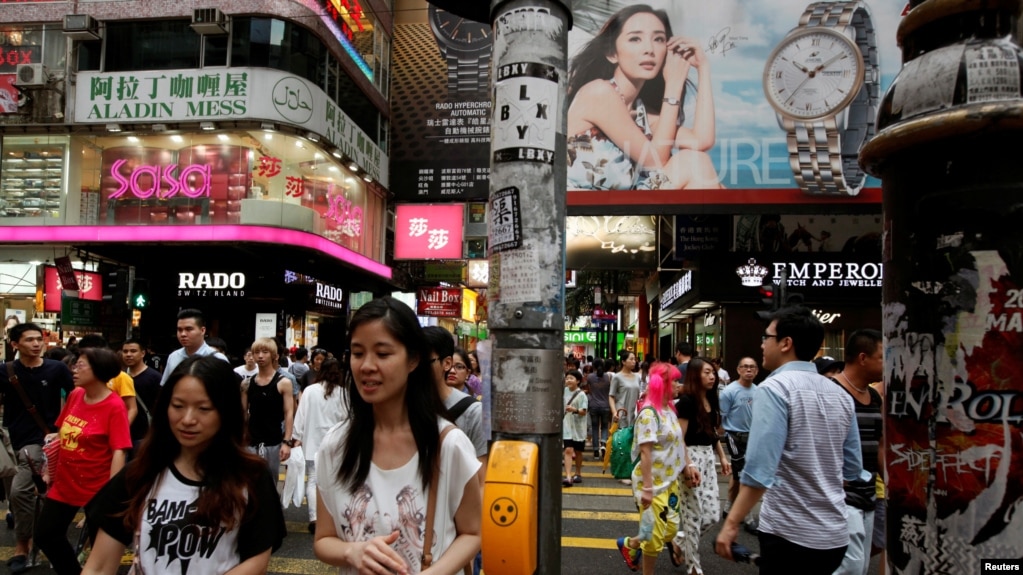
point(699, 417)
point(321, 408)
point(374, 468)
point(93, 435)
point(662, 455)
point(626, 90)
point(194, 498)
point(624, 392)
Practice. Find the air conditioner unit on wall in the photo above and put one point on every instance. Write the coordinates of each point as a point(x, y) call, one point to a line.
point(30, 75)
point(81, 27)
point(209, 21)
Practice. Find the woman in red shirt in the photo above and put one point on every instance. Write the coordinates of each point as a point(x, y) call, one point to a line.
point(93, 434)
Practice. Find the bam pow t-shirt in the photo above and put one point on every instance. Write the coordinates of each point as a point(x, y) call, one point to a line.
point(171, 541)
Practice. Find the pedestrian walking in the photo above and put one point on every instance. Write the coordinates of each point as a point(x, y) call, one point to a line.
point(31, 387)
point(804, 442)
point(736, 416)
point(700, 506)
point(192, 337)
point(662, 455)
point(574, 427)
point(405, 458)
point(599, 382)
point(194, 499)
point(269, 405)
point(321, 408)
point(93, 438)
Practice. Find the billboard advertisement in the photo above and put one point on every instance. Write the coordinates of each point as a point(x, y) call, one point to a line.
point(90, 287)
point(716, 102)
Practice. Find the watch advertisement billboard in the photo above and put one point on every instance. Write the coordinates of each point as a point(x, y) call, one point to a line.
point(702, 100)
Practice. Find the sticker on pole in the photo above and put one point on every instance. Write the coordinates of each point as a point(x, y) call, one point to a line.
point(526, 94)
point(505, 220)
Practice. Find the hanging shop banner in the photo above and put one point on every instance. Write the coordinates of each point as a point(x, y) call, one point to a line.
point(755, 91)
point(611, 242)
point(439, 302)
point(428, 232)
point(164, 96)
point(90, 287)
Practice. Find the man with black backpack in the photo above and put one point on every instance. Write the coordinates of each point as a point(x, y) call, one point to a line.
point(31, 388)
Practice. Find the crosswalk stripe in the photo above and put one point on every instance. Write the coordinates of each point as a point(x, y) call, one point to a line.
point(577, 490)
point(599, 515)
point(300, 566)
point(588, 543)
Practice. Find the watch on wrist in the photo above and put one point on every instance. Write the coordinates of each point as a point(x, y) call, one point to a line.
point(671, 101)
point(289, 442)
point(466, 47)
point(823, 82)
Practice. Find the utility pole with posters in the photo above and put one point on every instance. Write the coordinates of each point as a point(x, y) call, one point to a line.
point(947, 152)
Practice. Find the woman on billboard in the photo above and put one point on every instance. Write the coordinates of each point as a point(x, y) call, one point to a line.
point(626, 88)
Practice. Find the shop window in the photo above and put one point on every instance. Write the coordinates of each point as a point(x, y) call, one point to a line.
point(151, 45)
point(214, 52)
point(32, 182)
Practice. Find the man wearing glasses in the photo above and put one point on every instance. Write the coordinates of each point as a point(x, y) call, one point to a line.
point(736, 415)
point(804, 441)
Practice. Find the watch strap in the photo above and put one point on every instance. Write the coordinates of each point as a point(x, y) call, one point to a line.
point(467, 73)
point(824, 155)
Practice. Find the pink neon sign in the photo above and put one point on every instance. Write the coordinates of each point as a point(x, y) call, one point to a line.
point(157, 174)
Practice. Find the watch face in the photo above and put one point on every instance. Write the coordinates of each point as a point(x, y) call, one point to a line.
point(457, 32)
point(813, 73)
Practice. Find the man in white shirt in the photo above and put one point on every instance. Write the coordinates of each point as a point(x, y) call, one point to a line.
point(249, 368)
point(192, 337)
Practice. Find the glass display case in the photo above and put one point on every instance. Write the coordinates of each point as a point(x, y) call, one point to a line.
point(32, 180)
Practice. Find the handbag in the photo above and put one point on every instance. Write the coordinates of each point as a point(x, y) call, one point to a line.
point(8, 462)
point(431, 506)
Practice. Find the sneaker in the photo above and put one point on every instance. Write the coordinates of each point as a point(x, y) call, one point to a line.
point(312, 528)
point(18, 564)
point(577, 479)
point(631, 556)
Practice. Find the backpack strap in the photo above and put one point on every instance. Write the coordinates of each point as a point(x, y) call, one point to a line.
point(459, 408)
point(29, 406)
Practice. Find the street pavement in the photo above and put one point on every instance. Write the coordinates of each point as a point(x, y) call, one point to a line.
point(595, 513)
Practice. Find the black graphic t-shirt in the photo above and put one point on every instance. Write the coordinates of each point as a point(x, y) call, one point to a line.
point(170, 541)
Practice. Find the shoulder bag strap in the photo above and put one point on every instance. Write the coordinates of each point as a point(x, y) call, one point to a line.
point(13, 378)
point(574, 395)
point(431, 502)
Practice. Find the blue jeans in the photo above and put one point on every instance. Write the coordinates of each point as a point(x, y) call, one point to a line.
point(600, 419)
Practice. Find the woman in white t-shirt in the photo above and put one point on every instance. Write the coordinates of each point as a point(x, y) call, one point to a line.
point(374, 468)
point(194, 499)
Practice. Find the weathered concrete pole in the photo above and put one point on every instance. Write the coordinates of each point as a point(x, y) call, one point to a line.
point(948, 154)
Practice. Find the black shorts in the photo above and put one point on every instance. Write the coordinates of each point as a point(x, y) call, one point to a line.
point(736, 442)
point(579, 446)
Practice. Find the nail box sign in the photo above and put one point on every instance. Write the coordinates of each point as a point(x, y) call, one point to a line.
point(439, 302)
point(428, 232)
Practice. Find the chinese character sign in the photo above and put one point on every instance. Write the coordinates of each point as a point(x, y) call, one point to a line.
point(432, 232)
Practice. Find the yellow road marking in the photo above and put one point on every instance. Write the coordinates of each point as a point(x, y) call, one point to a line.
point(588, 543)
point(577, 490)
point(300, 566)
point(599, 515)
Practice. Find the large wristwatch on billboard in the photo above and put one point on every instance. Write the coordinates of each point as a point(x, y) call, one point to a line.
point(466, 46)
point(824, 83)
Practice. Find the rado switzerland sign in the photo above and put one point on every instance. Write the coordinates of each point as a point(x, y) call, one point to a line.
point(211, 284)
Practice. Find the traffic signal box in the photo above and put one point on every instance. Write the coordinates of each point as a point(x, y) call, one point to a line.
point(510, 508)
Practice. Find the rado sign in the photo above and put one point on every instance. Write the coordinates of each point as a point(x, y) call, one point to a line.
point(329, 296)
point(207, 284)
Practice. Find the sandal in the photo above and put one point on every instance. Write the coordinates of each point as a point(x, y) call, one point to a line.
point(566, 482)
point(577, 479)
point(677, 559)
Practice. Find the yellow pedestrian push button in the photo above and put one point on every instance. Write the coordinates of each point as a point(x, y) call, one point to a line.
point(509, 509)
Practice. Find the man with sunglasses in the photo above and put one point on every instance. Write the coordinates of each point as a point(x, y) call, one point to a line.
point(804, 441)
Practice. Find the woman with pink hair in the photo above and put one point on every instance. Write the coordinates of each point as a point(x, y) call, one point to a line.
point(662, 455)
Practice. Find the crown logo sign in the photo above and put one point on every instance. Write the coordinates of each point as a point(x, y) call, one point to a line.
point(752, 274)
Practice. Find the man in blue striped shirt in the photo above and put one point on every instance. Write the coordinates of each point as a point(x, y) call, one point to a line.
point(804, 443)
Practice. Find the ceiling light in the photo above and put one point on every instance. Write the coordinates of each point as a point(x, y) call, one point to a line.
point(318, 156)
point(268, 136)
point(177, 138)
point(299, 144)
point(336, 152)
point(333, 168)
point(113, 127)
point(268, 126)
point(207, 126)
point(133, 139)
point(312, 137)
point(223, 137)
point(35, 262)
point(367, 178)
point(159, 127)
point(353, 167)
